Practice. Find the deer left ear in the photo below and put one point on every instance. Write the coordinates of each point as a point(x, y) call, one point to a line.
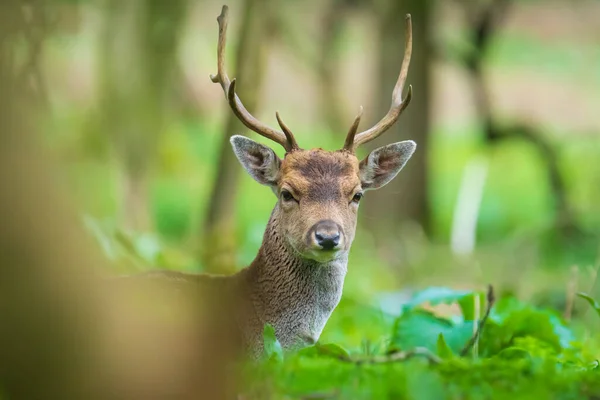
point(383, 164)
point(258, 160)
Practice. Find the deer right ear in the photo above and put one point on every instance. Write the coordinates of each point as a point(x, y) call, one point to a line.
point(383, 164)
point(259, 160)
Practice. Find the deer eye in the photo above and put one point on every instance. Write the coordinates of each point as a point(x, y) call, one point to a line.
point(357, 197)
point(287, 196)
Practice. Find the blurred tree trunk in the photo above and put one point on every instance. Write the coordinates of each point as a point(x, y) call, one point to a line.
point(62, 336)
point(405, 198)
point(218, 244)
point(327, 65)
point(138, 55)
point(319, 52)
point(42, 337)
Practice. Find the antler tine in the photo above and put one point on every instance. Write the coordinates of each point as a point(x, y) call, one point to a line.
point(291, 140)
point(349, 143)
point(398, 104)
point(234, 101)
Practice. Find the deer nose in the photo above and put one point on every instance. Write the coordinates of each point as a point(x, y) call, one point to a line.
point(327, 235)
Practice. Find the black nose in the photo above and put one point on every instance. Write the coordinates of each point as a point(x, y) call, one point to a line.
point(327, 235)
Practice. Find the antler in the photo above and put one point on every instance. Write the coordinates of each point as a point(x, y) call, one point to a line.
point(353, 140)
point(285, 138)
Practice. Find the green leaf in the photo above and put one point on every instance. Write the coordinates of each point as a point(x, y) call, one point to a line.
point(422, 328)
point(333, 349)
point(442, 348)
point(591, 301)
point(436, 295)
point(514, 353)
point(272, 347)
point(327, 350)
point(467, 305)
point(97, 230)
point(442, 295)
point(594, 365)
point(511, 319)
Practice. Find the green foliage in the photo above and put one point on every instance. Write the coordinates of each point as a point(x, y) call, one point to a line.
point(512, 319)
point(272, 347)
point(423, 328)
point(441, 295)
point(591, 302)
point(525, 352)
point(130, 251)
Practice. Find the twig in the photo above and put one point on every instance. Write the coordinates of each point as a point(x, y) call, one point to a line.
point(402, 356)
point(491, 299)
point(397, 356)
point(571, 292)
point(476, 325)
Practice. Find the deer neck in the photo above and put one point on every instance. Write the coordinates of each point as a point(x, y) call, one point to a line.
point(294, 294)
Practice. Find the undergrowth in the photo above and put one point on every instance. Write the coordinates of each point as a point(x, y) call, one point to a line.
point(520, 352)
point(438, 343)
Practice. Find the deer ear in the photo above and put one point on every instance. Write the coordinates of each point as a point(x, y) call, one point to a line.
point(259, 160)
point(383, 164)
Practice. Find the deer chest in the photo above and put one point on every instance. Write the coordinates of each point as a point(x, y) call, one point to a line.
point(300, 321)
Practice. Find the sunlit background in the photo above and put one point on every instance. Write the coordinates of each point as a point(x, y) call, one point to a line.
point(504, 184)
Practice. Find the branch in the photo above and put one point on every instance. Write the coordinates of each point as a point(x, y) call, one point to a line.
point(402, 356)
point(483, 23)
point(491, 299)
point(396, 356)
point(34, 28)
point(565, 220)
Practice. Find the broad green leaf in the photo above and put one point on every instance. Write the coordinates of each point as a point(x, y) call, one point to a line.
point(436, 295)
point(512, 319)
point(590, 301)
point(422, 328)
point(272, 347)
point(442, 348)
point(443, 295)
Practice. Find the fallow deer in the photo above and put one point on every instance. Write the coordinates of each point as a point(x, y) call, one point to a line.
point(296, 279)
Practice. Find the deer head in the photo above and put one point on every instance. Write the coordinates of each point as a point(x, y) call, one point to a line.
point(318, 191)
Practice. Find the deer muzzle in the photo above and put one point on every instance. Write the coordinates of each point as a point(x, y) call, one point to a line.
point(325, 236)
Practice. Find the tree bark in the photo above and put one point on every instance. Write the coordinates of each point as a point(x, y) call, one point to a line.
point(66, 332)
point(138, 60)
point(217, 247)
point(327, 65)
point(405, 198)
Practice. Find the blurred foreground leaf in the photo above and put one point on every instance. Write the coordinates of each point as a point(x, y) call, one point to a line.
point(590, 301)
point(272, 347)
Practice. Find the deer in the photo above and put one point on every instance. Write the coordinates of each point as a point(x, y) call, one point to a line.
point(296, 280)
